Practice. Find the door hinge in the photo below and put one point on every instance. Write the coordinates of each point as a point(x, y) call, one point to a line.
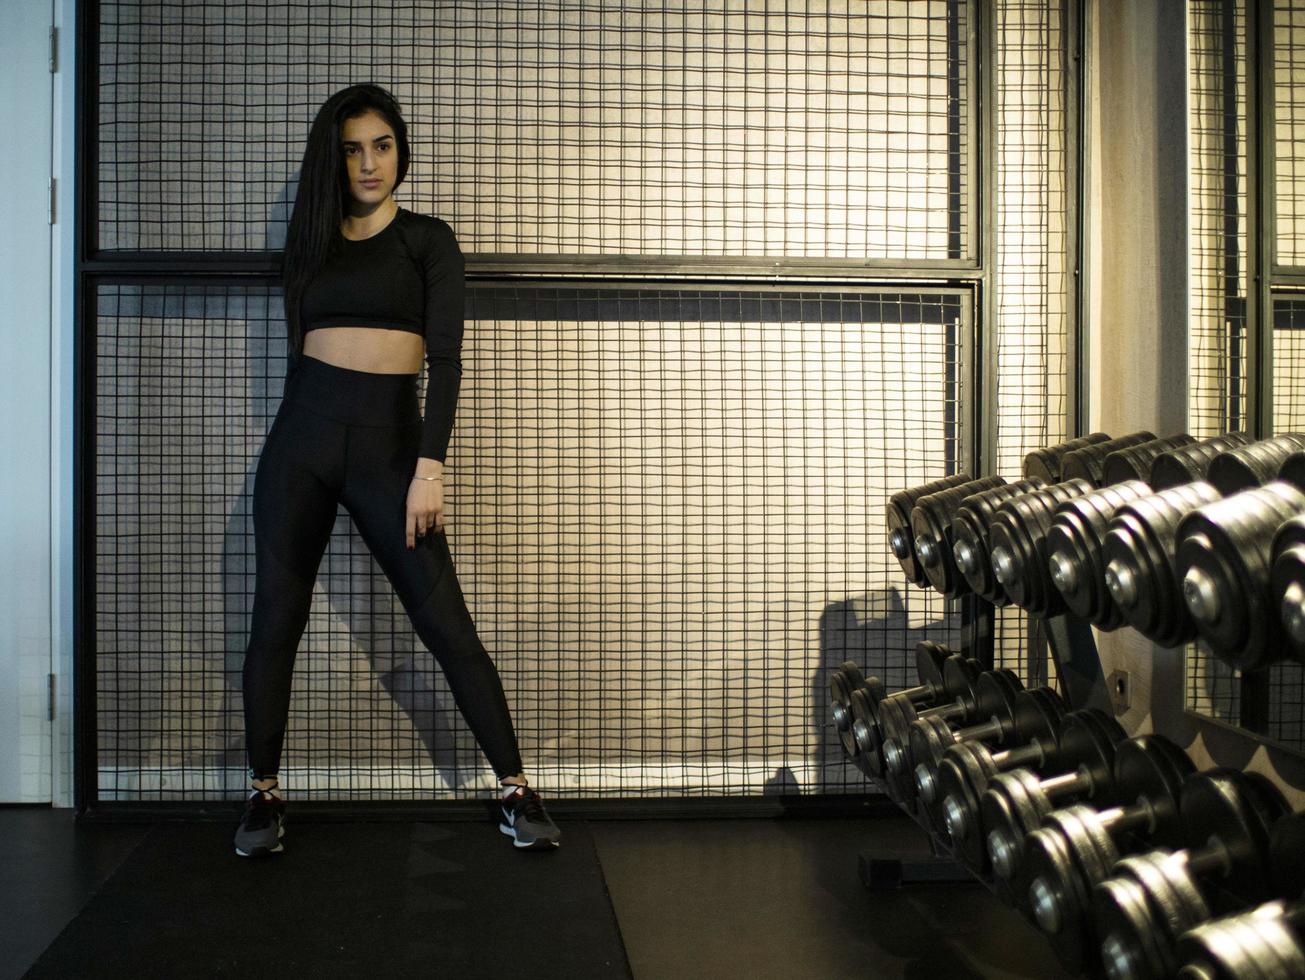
point(54, 49)
point(52, 696)
point(54, 194)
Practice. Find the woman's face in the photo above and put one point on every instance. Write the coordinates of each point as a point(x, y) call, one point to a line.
point(371, 157)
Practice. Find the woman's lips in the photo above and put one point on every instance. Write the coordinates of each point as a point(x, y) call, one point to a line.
point(371, 183)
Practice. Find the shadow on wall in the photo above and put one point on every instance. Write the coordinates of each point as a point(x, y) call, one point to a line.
point(361, 600)
point(874, 632)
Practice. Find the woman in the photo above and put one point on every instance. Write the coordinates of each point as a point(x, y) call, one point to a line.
point(370, 288)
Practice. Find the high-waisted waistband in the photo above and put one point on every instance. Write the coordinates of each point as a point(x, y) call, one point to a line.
point(353, 397)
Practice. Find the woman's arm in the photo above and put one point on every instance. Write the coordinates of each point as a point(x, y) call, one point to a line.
point(445, 287)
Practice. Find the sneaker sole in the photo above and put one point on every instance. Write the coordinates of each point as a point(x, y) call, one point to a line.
point(538, 844)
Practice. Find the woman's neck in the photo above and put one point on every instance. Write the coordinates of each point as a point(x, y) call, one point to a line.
point(357, 226)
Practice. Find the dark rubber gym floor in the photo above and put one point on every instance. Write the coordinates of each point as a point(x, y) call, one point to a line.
point(754, 898)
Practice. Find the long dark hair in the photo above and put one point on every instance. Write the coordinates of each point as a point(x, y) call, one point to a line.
point(324, 190)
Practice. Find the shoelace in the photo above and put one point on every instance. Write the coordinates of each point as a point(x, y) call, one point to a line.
point(531, 804)
point(260, 809)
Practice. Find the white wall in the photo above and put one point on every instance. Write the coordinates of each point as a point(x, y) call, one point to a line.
point(35, 403)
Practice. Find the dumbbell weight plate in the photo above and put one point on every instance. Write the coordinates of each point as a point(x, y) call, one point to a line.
point(842, 682)
point(1073, 850)
point(1134, 462)
point(1045, 464)
point(1155, 897)
point(931, 521)
point(995, 694)
point(1074, 544)
point(1287, 581)
point(1223, 561)
point(1138, 551)
point(970, 537)
point(1141, 911)
point(966, 768)
point(1261, 944)
point(1239, 808)
point(929, 660)
point(871, 691)
point(896, 715)
point(1254, 464)
point(1017, 538)
point(869, 756)
point(1061, 879)
point(1015, 802)
point(901, 540)
point(1089, 462)
point(1190, 463)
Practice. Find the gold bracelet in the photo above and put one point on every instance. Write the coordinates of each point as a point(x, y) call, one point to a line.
point(440, 477)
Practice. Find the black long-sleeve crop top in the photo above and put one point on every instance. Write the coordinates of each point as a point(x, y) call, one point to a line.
point(408, 276)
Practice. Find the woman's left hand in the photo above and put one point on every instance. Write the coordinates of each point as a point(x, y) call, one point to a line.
point(425, 508)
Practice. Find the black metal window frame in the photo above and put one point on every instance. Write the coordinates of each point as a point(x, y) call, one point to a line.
point(970, 278)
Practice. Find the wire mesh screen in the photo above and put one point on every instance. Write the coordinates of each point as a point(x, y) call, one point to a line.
point(1289, 130)
point(665, 508)
point(1218, 343)
point(1032, 241)
point(1216, 356)
point(1032, 232)
point(556, 126)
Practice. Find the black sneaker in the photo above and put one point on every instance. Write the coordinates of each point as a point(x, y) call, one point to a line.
point(527, 822)
point(262, 826)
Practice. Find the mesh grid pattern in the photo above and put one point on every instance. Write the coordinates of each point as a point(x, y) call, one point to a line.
point(663, 610)
point(1032, 233)
point(1288, 363)
point(1289, 130)
point(569, 127)
point(1218, 336)
point(665, 507)
point(1217, 333)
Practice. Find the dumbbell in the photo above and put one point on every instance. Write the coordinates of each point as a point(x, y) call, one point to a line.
point(1078, 846)
point(1015, 802)
point(863, 704)
point(898, 521)
point(1134, 462)
point(1089, 462)
point(965, 772)
point(1190, 463)
point(896, 714)
point(1293, 470)
point(931, 521)
point(1138, 552)
point(1044, 465)
point(1154, 897)
point(1223, 561)
point(970, 537)
point(1074, 547)
point(1266, 943)
point(1031, 713)
point(843, 684)
point(1287, 581)
point(1254, 464)
point(1017, 540)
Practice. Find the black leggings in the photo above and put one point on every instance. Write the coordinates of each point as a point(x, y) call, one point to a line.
point(352, 436)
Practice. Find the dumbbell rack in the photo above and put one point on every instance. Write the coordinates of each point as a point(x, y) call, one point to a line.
point(1071, 646)
point(1073, 651)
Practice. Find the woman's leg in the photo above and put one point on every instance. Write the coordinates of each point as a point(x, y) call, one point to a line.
point(380, 467)
point(296, 490)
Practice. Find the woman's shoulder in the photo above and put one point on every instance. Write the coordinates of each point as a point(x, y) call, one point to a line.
point(430, 228)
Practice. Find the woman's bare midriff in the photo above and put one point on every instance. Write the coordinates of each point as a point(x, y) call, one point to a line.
point(367, 349)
